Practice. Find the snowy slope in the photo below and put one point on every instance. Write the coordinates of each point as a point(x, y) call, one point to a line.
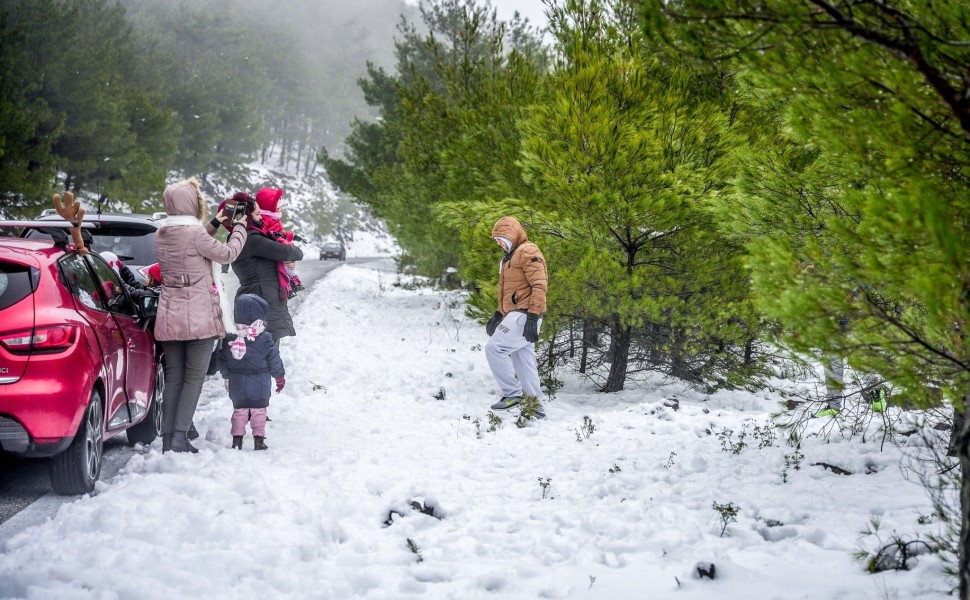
point(358, 435)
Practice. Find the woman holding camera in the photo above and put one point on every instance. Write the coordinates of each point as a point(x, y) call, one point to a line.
point(257, 269)
point(190, 309)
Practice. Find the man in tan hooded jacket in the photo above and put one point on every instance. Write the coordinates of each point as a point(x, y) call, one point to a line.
point(514, 328)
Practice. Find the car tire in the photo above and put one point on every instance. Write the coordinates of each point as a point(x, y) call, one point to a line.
point(148, 429)
point(76, 470)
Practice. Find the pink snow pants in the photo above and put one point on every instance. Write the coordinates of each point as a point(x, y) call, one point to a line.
point(256, 417)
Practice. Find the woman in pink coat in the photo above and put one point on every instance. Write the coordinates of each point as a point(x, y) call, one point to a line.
point(191, 309)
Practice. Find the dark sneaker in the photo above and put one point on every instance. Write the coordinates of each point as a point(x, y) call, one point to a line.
point(507, 402)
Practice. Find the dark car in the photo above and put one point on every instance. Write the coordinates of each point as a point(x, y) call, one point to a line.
point(78, 362)
point(333, 250)
point(130, 236)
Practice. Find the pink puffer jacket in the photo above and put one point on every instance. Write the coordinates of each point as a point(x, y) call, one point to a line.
point(189, 308)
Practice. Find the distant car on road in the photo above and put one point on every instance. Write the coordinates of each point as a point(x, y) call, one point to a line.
point(78, 363)
point(333, 250)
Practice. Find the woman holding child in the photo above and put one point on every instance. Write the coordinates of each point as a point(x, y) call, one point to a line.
point(260, 264)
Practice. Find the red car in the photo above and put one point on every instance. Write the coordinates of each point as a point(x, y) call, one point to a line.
point(77, 360)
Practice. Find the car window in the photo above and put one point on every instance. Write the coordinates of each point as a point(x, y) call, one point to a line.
point(16, 283)
point(111, 287)
point(79, 280)
point(134, 245)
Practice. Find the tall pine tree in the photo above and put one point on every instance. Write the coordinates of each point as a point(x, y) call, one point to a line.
point(879, 89)
point(624, 160)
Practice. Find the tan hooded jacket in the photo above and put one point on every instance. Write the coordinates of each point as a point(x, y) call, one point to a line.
point(188, 308)
point(522, 278)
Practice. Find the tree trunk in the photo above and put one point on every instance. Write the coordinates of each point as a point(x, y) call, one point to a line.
point(956, 427)
point(963, 445)
point(653, 349)
point(584, 356)
point(679, 367)
point(619, 353)
point(284, 150)
point(310, 162)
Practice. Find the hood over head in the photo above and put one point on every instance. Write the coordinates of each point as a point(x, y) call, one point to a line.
point(250, 308)
point(268, 199)
point(112, 259)
point(185, 198)
point(510, 228)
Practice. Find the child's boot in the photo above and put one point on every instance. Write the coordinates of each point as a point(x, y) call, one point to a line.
point(258, 443)
point(237, 442)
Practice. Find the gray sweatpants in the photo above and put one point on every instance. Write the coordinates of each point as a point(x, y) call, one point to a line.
point(509, 355)
point(186, 364)
point(834, 371)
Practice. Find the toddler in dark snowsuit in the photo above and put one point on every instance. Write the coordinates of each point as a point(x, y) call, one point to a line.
point(248, 362)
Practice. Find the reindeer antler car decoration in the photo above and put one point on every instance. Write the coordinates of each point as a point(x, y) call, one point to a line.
point(72, 212)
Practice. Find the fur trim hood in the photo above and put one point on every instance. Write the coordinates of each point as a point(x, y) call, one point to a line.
point(185, 199)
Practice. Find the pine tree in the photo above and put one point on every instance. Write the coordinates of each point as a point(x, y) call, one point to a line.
point(447, 136)
point(877, 94)
point(624, 159)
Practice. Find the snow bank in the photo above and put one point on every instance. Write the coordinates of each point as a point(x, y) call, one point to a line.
point(361, 449)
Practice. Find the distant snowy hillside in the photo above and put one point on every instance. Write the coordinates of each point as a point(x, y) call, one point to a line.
point(312, 207)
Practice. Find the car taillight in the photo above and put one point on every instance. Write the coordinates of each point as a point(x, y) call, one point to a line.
point(53, 338)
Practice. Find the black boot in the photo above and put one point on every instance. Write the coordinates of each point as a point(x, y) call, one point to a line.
point(258, 443)
point(192, 433)
point(237, 442)
point(166, 442)
point(180, 443)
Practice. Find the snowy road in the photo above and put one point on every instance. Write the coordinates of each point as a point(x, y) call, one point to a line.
point(373, 487)
point(25, 483)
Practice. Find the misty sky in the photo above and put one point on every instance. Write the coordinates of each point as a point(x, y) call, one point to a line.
point(531, 9)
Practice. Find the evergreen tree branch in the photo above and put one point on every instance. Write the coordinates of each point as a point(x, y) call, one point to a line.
point(913, 335)
point(909, 50)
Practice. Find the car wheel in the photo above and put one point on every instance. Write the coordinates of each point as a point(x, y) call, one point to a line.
point(150, 427)
point(76, 470)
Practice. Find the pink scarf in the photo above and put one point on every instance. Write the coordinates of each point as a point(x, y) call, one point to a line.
point(244, 333)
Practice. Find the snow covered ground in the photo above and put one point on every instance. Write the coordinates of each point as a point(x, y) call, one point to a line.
point(358, 436)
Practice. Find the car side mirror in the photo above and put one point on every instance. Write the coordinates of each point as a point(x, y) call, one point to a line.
point(147, 307)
